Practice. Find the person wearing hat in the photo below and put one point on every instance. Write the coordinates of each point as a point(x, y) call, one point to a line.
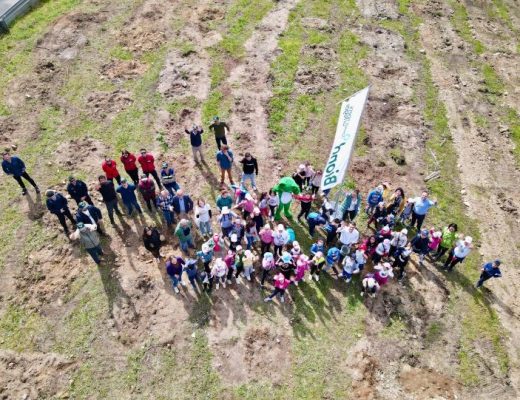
point(89, 239)
point(219, 128)
point(383, 272)
point(266, 239)
point(401, 259)
point(152, 241)
point(237, 232)
point(185, 235)
point(196, 141)
point(78, 190)
point(369, 285)
point(249, 170)
point(280, 239)
point(300, 176)
point(302, 266)
point(421, 206)
point(381, 251)
point(398, 241)
point(168, 178)
point(488, 271)
point(109, 167)
point(147, 162)
point(57, 205)
point(268, 265)
point(127, 192)
point(90, 215)
point(147, 190)
point(248, 260)
point(225, 220)
point(129, 163)
point(182, 203)
point(286, 264)
point(218, 273)
point(13, 165)
point(109, 195)
point(420, 245)
point(374, 197)
point(349, 269)
point(281, 283)
point(317, 263)
point(165, 203)
point(247, 205)
point(206, 255)
point(384, 233)
point(258, 218)
point(458, 253)
point(225, 162)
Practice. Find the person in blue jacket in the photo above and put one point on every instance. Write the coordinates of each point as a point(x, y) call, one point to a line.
point(127, 192)
point(13, 165)
point(57, 205)
point(317, 247)
point(333, 256)
point(375, 196)
point(90, 215)
point(225, 162)
point(182, 203)
point(315, 219)
point(168, 179)
point(78, 190)
point(351, 204)
point(489, 270)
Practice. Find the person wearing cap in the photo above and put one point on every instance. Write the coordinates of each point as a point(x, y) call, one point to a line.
point(225, 220)
point(420, 208)
point(224, 200)
point(296, 250)
point(174, 269)
point(305, 199)
point(268, 265)
point(147, 162)
point(127, 192)
point(109, 195)
point(147, 190)
point(91, 215)
point(14, 166)
point(219, 128)
point(488, 271)
point(369, 285)
point(89, 239)
point(247, 205)
point(249, 169)
point(78, 190)
point(398, 241)
point(448, 239)
point(152, 241)
point(203, 218)
point(109, 167)
point(384, 233)
point(280, 239)
point(348, 235)
point(237, 232)
point(300, 176)
point(302, 266)
point(420, 245)
point(196, 141)
point(315, 219)
point(281, 283)
point(225, 162)
point(333, 257)
point(266, 239)
point(57, 205)
point(165, 203)
point(383, 272)
point(435, 240)
point(185, 235)
point(374, 197)
point(350, 206)
point(458, 253)
point(168, 178)
point(206, 255)
point(317, 263)
point(182, 203)
point(248, 260)
point(286, 264)
point(129, 163)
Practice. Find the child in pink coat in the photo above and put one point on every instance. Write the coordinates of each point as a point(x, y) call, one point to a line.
point(302, 265)
point(435, 240)
point(280, 285)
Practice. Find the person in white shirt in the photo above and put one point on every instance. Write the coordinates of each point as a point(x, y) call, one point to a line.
point(280, 239)
point(203, 218)
point(349, 235)
point(458, 253)
point(398, 241)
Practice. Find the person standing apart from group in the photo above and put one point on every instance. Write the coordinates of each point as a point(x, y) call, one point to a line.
point(420, 208)
point(14, 166)
point(489, 270)
point(219, 128)
point(196, 142)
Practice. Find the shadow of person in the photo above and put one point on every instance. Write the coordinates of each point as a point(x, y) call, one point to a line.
point(36, 208)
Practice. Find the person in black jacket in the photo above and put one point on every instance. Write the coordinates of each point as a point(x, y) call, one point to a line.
point(152, 241)
point(57, 205)
point(196, 141)
point(182, 203)
point(78, 191)
point(90, 215)
point(108, 192)
point(420, 244)
point(14, 166)
point(249, 169)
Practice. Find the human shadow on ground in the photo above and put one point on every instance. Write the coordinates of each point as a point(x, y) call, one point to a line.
point(36, 209)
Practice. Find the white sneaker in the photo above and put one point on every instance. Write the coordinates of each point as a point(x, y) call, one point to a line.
point(239, 280)
point(296, 283)
point(362, 294)
point(183, 283)
point(176, 289)
point(311, 277)
point(348, 280)
point(282, 299)
point(218, 286)
point(248, 278)
point(267, 299)
point(317, 277)
point(229, 281)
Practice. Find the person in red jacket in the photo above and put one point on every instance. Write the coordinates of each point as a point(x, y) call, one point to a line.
point(147, 189)
point(147, 164)
point(110, 168)
point(129, 162)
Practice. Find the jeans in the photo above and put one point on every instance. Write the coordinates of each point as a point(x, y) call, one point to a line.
point(61, 218)
point(276, 291)
point(312, 227)
point(226, 231)
point(95, 253)
point(168, 217)
point(156, 177)
point(193, 279)
point(483, 277)
point(250, 177)
point(131, 205)
point(111, 207)
point(205, 228)
point(186, 244)
point(176, 279)
point(250, 242)
point(26, 176)
point(418, 218)
point(172, 187)
point(305, 210)
point(220, 141)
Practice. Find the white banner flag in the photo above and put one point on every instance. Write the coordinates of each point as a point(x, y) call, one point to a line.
point(346, 131)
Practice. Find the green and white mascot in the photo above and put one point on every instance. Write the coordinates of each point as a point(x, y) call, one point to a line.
point(285, 189)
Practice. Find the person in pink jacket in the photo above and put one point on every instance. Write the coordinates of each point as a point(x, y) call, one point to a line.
point(435, 240)
point(383, 272)
point(280, 285)
point(302, 265)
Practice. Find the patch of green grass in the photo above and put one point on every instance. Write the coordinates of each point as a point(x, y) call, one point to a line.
point(500, 10)
point(403, 6)
point(121, 53)
point(491, 80)
point(12, 219)
point(216, 105)
point(205, 383)
point(461, 24)
point(395, 329)
point(176, 107)
point(434, 332)
point(20, 329)
point(134, 367)
point(480, 120)
point(512, 118)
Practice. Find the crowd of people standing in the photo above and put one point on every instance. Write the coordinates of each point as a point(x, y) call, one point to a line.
point(241, 240)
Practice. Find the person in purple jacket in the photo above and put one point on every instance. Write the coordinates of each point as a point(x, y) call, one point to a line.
point(174, 268)
point(13, 165)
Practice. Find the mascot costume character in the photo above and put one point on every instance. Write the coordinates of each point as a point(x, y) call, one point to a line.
point(285, 188)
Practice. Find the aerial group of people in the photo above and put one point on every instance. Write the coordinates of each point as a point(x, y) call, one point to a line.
point(243, 238)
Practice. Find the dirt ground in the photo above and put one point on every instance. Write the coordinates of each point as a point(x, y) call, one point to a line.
point(70, 330)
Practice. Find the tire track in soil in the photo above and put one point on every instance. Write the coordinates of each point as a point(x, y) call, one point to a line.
point(490, 194)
